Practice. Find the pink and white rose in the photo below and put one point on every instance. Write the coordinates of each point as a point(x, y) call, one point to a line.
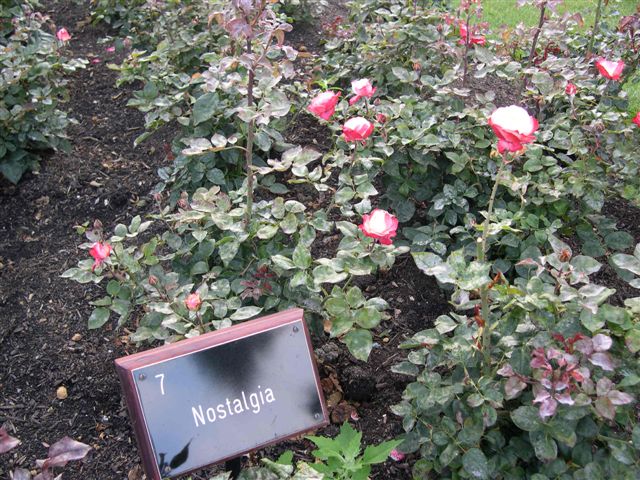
point(357, 129)
point(324, 105)
point(610, 69)
point(379, 225)
point(362, 89)
point(514, 128)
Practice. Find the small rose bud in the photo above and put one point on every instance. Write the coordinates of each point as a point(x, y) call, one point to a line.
point(381, 118)
point(153, 280)
point(63, 35)
point(193, 302)
point(570, 89)
point(396, 455)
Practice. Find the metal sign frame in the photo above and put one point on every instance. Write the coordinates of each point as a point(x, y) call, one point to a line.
point(127, 366)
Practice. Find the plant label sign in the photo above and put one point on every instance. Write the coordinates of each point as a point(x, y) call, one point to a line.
point(217, 396)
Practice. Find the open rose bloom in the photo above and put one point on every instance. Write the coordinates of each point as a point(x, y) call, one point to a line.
point(100, 252)
point(570, 89)
point(63, 35)
point(609, 69)
point(357, 129)
point(379, 225)
point(324, 105)
point(514, 128)
point(363, 89)
point(473, 39)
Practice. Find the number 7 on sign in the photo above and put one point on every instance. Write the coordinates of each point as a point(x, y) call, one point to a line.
point(161, 377)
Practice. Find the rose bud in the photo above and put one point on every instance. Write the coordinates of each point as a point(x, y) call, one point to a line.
point(63, 35)
point(362, 88)
point(610, 69)
point(514, 128)
point(324, 105)
point(100, 252)
point(379, 225)
point(381, 118)
point(571, 89)
point(193, 302)
point(153, 280)
point(396, 455)
point(357, 129)
point(636, 119)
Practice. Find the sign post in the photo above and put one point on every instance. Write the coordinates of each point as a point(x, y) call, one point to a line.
point(215, 397)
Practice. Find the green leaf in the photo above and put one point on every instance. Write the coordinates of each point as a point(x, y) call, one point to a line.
point(618, 240)
point(359, 342)
point(300, 156)
point(113, 287)
point(475, 463)
point(527, 418)
point(449, 454)
point(326, 274)
point(244, 313)
point(199, 268)
point(98, 317)
point(267, 231)
point(544, 446)
point(283, 262)
point(205, 108)
point(379, 453)
point(368, 317)
point(349, 441)
point(302, 256)
point(228, 250)
point(626, 262)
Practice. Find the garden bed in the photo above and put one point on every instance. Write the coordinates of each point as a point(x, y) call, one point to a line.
point(57, 377)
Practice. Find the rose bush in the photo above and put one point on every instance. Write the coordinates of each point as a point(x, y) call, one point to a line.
point(32, 90)
point(534, 373)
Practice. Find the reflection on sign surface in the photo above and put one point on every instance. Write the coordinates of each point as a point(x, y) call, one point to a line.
point(213, 404)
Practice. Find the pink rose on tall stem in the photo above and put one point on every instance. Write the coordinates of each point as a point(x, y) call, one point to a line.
point(610, 69)
point(570, 89)
point(514, 128)
point(63, 35)
point(100, 252)
point(193, 302)
point(636, 119)
point(362, 88)
point(357, 129)
point(379, 225)
point(324, 105)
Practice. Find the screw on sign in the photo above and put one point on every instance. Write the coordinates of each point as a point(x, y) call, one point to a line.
point(215, 397)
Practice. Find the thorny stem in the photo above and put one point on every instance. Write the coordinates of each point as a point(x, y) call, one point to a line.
point(484, 291)
point(249, 151)
point(467, 41)
point(532, 52)
point(596, 24)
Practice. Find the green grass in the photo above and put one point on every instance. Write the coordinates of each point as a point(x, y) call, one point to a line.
point(505, 12)
point(500, 13)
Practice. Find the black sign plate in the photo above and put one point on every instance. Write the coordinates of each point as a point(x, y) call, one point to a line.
point(247, 388)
